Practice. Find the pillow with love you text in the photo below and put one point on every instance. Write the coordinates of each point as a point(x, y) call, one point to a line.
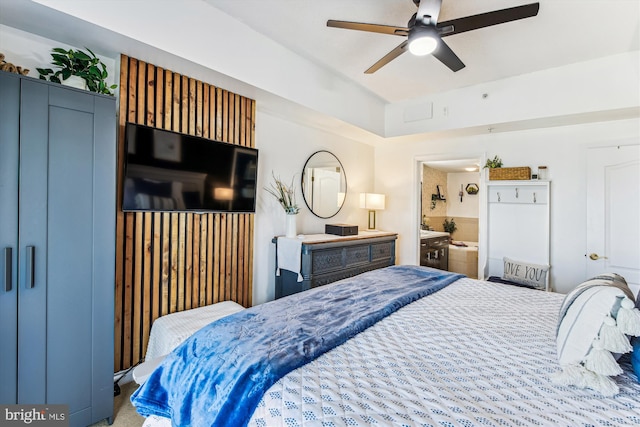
point(525, 273)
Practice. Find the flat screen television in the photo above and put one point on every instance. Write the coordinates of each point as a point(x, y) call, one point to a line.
point(170, 171)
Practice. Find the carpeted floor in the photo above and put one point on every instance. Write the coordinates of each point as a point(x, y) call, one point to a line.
point(125, 414)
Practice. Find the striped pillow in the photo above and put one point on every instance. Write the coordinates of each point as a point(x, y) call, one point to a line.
point(595, 319)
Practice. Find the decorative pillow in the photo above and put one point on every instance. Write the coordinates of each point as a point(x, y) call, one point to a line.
point(595, 319)
point(525, 273)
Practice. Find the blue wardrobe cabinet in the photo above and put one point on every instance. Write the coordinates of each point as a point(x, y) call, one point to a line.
point(57, 247)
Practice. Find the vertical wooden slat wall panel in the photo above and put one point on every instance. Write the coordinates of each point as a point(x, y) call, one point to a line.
point(167, 262)
point(119, 285)
point(158, 277)
point(181, 245)
point(209, 261)
point(217, 285)
point(205, 110)
point(202, 265)
point(173, 297)
point(250, 218)
point(166, 266)
point(129, 233)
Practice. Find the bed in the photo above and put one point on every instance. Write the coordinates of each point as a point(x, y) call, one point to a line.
point(471, 353)
point(171, 330)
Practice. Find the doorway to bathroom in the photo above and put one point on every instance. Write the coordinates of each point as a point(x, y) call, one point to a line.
point(451, 200)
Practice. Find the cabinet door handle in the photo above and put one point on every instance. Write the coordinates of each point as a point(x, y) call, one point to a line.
point(8, 272)
point(30, 266)
point(517, 195)
point(498, 196)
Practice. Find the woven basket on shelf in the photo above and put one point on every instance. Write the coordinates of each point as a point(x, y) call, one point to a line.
point(501, 174)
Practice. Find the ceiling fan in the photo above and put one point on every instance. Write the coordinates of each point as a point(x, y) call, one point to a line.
point(424, 33)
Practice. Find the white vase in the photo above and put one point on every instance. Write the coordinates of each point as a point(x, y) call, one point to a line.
point(75, 81)
point(290, 225)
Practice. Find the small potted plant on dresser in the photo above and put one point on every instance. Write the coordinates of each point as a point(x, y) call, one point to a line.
point(79, 69)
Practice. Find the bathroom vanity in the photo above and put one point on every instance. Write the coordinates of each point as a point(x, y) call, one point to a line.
point(434, 249)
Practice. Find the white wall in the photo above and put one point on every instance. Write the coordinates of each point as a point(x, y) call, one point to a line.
point(468, 207)
point(284, 147)
point(564, 94)
point(562, 149)
point(30, 51)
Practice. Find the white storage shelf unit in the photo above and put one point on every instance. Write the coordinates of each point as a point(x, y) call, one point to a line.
point(517, 224)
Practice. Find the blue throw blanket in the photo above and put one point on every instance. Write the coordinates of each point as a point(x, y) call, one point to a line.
point(218, 376)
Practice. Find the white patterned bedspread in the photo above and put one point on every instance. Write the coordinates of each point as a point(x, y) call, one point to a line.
point(473, 354)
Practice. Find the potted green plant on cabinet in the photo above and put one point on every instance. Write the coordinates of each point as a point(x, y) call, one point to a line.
point(78, 63)
point(496, 162)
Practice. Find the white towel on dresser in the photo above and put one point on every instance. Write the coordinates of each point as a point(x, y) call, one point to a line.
point(289, 252)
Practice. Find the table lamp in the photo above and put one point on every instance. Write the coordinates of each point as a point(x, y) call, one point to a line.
point(372, 202)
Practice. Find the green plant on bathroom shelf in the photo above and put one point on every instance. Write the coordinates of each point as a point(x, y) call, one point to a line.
point(434, 199)
point(449, 226)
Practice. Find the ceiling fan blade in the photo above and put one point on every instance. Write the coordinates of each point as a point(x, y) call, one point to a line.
point(445, 55)
point(399, 50)
point(372, 28)
point(488, 19)
point(429, 8)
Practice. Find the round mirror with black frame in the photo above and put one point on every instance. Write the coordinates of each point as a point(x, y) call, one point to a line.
point(324, 184)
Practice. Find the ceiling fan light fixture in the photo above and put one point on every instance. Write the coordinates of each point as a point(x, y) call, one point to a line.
point(422, 41)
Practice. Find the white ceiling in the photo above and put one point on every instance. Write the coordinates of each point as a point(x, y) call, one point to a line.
point(563, 32)
point(303, 70)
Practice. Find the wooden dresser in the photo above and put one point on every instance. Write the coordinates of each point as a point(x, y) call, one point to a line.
point(326, 258)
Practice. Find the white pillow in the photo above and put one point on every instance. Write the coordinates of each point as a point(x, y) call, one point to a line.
point(525, 273)
point(594, 321)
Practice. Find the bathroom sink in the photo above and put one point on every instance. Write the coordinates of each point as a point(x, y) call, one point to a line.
point(425, 234)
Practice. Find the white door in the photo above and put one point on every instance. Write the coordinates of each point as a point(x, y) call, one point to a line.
point(613, 212)
point(326, 186)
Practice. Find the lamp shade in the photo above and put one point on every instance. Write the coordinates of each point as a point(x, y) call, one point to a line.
point(372, 201)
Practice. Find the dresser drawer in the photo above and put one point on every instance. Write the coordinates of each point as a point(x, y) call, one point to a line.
point(326, 260)
point(356, 255)
point(382, 251)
